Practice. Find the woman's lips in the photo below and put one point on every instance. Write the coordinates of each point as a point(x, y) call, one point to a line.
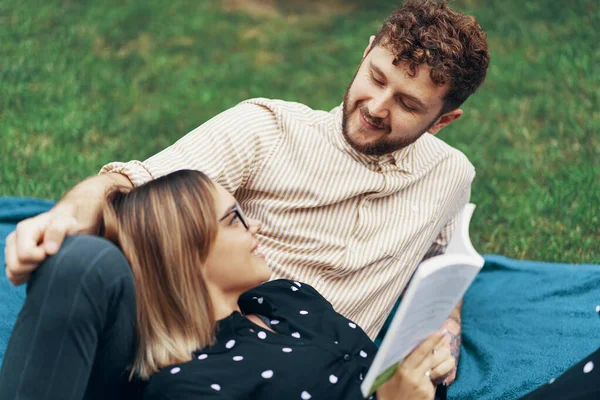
point(256, 253)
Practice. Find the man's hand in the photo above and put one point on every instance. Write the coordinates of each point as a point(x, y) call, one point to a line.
point(37, 238)
point(33, 241)
point(454, 339)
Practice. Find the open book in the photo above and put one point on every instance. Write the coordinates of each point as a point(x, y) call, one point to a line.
point(434, 290)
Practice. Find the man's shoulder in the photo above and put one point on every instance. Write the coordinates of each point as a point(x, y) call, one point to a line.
point(434, 152)
point(287, 110)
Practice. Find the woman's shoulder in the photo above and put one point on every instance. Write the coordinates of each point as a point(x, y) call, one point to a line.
point(286, 291)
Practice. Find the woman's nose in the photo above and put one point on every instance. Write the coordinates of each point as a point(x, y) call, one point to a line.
point(255, 225)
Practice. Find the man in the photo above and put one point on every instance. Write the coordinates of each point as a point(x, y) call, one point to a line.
point(352, 199)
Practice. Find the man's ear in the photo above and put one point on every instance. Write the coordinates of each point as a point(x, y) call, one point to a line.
point(445, 120)
point(369, 45)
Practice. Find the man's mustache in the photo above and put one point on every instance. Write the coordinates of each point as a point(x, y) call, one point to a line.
point(377, 121)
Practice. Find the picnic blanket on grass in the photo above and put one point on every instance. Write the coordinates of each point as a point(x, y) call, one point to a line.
point(524, 322)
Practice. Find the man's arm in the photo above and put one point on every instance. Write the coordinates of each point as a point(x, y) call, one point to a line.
point(41, 236)
point(228, 148)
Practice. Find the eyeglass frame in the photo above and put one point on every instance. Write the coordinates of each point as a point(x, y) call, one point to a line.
point(237, 211)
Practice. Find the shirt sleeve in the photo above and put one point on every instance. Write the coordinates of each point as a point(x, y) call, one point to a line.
point(440, 244)
point(229, 148)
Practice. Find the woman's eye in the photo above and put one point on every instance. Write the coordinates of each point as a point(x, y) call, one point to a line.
point(234, 219)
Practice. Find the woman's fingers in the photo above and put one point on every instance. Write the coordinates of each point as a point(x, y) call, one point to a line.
point(420, 357)
point(442, 370)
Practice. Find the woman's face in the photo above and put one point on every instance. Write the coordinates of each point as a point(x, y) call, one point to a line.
point(235, 263)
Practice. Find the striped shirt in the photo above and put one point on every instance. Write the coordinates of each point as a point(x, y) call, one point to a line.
point(353, 226)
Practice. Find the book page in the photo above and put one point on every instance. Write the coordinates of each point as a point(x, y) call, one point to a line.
point(437, 295)
point(433, 292)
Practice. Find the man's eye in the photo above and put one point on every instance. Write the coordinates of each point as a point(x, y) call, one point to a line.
point(407, 107)
point(377, 81)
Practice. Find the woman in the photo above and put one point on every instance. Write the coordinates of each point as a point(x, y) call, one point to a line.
point(210, 327)
point(207, 325)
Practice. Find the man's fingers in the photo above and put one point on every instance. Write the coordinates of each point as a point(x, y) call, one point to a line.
point(28, 236)
point(58, 228)
point(16, 272)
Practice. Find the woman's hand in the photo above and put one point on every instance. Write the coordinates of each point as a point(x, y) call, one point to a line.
point(425, 367)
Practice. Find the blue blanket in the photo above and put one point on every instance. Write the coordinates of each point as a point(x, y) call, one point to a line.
point(523, 322)
point(13, 210)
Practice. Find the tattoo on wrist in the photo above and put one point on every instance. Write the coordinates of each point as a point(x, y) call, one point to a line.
point(454, 318)
point(455, 341)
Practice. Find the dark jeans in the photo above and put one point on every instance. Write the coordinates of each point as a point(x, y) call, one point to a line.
point(75, 336)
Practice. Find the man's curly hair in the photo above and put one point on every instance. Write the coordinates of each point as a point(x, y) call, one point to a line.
point(452, 44)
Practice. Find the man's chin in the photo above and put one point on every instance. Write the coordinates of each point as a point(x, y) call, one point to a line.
point(369, 148)
point(360, 142)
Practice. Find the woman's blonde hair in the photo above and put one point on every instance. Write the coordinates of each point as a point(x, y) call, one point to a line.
point(166, 228)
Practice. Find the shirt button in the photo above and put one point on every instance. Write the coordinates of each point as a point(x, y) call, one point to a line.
point(346, 357)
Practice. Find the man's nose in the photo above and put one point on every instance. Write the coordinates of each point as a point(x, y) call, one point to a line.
point(378, 107)
point(254, 225)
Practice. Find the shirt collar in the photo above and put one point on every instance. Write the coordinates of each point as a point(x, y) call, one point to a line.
point(399, 160)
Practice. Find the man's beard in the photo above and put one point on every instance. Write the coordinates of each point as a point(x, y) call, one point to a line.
point(381, 146)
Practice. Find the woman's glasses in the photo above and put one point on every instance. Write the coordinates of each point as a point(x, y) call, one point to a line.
point(238, 212)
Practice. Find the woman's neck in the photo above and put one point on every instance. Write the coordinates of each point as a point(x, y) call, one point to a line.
point(224, 304)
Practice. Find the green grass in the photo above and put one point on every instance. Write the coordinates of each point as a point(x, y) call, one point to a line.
point(83, 83)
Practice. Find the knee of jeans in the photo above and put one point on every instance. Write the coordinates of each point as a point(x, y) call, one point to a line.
point(81, 259)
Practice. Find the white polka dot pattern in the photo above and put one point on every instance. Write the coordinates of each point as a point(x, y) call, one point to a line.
point(268, 374)
point(254, 358)
point(303, 312)
point(352, 325)
point(588, 367)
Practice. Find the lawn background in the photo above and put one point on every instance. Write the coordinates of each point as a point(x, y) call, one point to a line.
point(83, 83)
